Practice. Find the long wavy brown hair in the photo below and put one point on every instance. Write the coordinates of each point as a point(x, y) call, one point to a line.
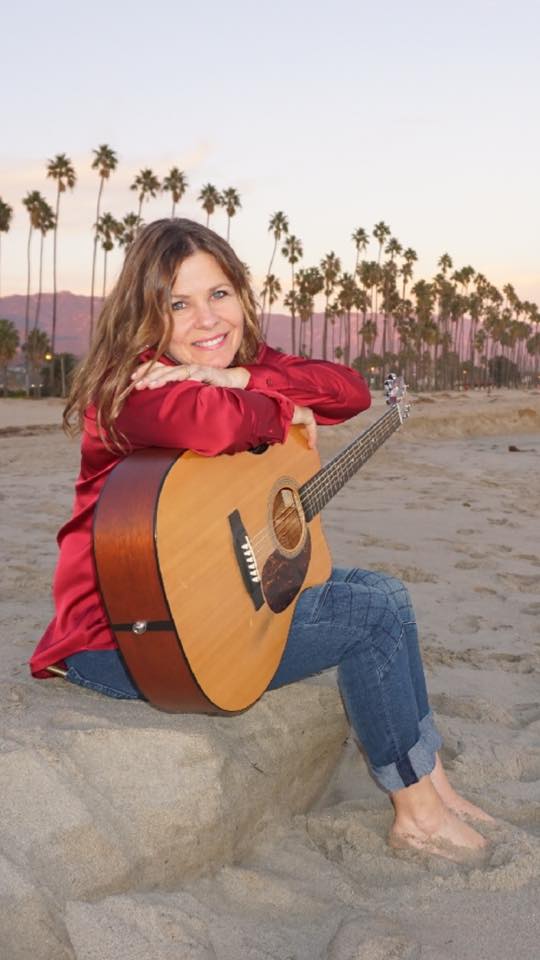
point(137, 315)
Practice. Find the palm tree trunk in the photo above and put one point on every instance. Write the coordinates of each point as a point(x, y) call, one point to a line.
point(325, 331)
point(347, 351)
point(94, 257)
point(104, 273)
point(27, 305)
point(53, 331)
point(267, 275)
point(38, 305)
point(27, 312)
point(173, 209)
point(293, 321)
point(63, 374)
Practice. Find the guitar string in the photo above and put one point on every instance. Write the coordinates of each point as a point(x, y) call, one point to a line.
point(351, 456)
point(349, 460)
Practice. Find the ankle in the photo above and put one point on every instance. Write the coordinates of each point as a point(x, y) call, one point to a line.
point(418, 805)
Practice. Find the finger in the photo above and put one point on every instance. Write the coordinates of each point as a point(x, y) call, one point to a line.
point(141, 370)
point(157, 378)
point(311, 430)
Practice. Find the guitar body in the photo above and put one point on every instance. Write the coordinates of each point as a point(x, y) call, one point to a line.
point(200, 562)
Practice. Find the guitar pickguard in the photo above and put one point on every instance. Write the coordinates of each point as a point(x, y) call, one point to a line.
point(282, 577)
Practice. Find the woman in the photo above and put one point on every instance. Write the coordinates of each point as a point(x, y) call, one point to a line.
point(177, 361)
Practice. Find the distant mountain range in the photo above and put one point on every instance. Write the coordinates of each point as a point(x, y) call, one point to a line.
point(73, 319)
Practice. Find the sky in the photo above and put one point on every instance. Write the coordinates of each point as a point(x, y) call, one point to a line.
point(342, 114)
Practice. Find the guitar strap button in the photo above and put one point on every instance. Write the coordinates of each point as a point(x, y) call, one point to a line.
point(139, 627)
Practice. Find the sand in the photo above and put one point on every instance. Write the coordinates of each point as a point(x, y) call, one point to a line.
point(447, 506)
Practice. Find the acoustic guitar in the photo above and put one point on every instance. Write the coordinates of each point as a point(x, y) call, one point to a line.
point(200, 560)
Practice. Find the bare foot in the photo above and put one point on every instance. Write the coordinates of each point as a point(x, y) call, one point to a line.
point(452, 799)
point(423, 822)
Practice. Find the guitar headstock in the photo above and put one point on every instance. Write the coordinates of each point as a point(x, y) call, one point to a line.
point(395, 390)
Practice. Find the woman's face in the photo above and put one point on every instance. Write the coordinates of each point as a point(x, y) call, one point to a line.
point(207, 314)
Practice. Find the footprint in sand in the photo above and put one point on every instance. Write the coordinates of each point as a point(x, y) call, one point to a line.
point(525, 583)
point(471, 708)
point(530, 557)
point(527, 713)
point(515, 662)
point(408, 574)
point(533, 609)
point(466, 565)
point(487, 592)
point(529, 762)
point(465, 625)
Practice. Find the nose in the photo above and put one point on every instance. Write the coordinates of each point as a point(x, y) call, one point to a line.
point(205, 316)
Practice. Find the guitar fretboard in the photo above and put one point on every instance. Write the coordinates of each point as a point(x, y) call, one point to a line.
point(320, 489)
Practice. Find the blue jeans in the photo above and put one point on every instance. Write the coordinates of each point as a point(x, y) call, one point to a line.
point(363, 623)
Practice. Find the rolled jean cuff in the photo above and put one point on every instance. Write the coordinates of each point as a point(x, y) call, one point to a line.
point(416, 763)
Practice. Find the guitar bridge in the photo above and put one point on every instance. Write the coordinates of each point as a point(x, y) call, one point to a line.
point(245, 557)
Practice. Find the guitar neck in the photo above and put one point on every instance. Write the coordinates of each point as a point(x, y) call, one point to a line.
point(319, 490)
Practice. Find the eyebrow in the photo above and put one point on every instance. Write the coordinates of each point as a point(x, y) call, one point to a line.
point(185, 296)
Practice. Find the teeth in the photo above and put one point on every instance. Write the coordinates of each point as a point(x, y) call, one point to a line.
point(209, 343)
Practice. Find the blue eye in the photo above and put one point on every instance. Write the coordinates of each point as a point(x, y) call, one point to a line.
point(223, 293)
point(177, 305)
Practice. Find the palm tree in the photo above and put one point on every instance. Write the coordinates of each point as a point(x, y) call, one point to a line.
point(105, 161)
point(361, 242)
point(33, 202)
point(381, 231)
point(271, 289)
point(445, 263)
point(9, 341)
point(176, 183)
point(45, 223)
point(310, 283)
point(128, 229)
point(331, 269)
point(210, 198)
point(61, 170)
point(147, 185)
point(369, 336)
point(108, 229)
point(279, 225)
point(6, 213)
point(409, 257)
point(293, 251)
point(230, 199)
point(346, 299)
point(36, 348)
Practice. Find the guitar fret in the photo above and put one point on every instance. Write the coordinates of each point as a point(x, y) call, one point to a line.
point(318, 491)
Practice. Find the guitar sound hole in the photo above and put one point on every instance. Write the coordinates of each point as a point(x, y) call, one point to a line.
point(287, 519)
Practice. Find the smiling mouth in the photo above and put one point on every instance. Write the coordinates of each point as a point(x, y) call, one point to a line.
point(211, 344)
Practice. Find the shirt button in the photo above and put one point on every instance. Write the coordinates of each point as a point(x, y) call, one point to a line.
point(269, 382)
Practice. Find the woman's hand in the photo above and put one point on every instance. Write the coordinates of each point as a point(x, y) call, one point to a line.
point(151, 375)
point(304, 417)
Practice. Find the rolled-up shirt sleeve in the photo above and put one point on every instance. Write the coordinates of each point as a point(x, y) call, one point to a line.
point(206, 419)
point(334, 392)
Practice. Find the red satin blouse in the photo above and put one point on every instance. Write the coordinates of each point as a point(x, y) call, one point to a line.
point(185, 415)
